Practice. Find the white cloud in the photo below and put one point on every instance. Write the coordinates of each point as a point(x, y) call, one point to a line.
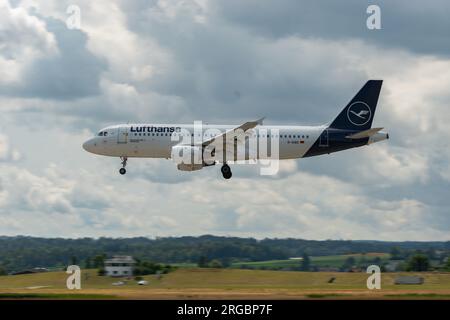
point(390, 165)
point(180, 61)
point(22, 33)
point(23, 38)
point(7, 152)
point(301, 205)
point(170, 9)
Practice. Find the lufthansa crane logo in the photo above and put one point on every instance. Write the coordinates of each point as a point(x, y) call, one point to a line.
point(359, 113)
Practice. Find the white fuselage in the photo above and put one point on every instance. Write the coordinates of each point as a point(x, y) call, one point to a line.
point(157, 140)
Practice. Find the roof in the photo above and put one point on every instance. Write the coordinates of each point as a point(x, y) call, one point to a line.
point(408, 280)
point(120, 259)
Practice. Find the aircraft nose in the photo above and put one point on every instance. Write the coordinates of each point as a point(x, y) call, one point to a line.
point(89, 145)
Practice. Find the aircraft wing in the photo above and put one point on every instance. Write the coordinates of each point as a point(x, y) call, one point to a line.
point(364, 134)
point(235, 132)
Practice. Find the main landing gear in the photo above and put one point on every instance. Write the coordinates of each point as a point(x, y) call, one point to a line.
point(226, 171)
point(124, 163)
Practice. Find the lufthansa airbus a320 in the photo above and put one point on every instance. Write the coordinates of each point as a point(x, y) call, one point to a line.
point(193, 147)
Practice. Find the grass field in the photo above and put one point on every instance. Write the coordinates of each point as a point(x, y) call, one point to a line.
point(323, 261)
point(187, 283)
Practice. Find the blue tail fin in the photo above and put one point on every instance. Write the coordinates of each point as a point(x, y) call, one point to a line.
point(359, 112)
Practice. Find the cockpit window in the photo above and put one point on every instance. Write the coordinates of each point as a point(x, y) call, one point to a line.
point(103, 133)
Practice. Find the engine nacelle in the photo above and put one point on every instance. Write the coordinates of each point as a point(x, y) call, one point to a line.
point(188, 158)
point(189, 167)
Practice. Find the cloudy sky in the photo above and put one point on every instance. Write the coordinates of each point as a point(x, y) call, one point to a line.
point(223, 61)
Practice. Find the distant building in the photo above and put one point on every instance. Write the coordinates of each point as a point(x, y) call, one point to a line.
point(392, 266)
point(408, 280)
point(119, 266)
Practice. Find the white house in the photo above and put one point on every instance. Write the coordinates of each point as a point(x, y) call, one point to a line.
point(119, 266)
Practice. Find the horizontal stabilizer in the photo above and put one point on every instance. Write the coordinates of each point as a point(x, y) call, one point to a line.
point(364, 134)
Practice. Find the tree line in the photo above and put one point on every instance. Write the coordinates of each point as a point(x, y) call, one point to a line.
point(23, 252)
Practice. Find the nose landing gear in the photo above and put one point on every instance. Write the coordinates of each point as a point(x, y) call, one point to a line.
point(226, 171)
point(122, 170)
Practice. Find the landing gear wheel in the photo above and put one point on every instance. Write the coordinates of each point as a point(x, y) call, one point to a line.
point(122, 170)
point(226, 171)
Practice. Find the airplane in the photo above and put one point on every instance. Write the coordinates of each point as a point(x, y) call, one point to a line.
point(215, 144)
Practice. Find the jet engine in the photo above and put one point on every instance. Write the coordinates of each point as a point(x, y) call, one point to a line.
point(189, 158)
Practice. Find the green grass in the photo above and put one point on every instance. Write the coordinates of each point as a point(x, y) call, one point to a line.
point(331, 295)
point(334, 261)
point(267, 264)
point(260, 279)
point(184, 265)
point(222, 279)
point(54, 280)
point(55, 296)
point(52, 285)
point(419, 295)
